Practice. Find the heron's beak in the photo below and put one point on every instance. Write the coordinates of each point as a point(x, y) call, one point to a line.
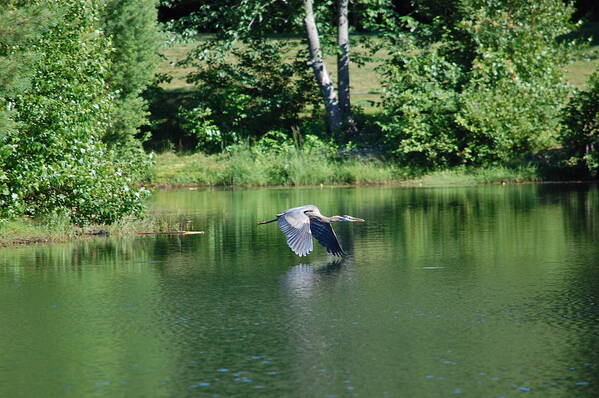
point(352, 219)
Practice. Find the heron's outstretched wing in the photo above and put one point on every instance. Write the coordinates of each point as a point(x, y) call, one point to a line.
point(325, 235)
point(296, 226)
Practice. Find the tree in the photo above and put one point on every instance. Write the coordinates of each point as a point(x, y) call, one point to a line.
point(242, 21)
point(53, 160)
point(19, 25)
point(257, 88)
point(469, 82)
point(323, 78)
point(343, 64)
point(580, 138)
point(135, 37)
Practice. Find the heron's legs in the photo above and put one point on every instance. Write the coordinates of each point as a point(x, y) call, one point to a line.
point(268, 221)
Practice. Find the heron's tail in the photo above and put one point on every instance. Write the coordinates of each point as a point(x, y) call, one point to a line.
point(268, 221)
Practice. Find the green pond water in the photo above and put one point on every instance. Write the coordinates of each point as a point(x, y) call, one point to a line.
point(488, 291)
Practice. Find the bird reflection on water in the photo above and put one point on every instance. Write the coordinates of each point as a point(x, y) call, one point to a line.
point(302, 278)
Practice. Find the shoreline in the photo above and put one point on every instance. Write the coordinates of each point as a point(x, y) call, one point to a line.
point(246, 170)
point(402, 183)
point(28, 232)
point(41, 240)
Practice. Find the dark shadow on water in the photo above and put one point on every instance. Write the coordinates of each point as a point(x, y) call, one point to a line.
point(306, 276)
point(331, 266)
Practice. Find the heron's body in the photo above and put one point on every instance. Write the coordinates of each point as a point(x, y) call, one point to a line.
point(300, 224)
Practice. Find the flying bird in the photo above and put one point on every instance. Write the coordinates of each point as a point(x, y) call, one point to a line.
point(299, 224)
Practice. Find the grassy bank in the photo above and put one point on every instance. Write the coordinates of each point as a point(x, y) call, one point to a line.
point(59, 229)
point(248, 168)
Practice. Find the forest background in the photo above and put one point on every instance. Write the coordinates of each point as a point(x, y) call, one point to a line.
point(101, 98)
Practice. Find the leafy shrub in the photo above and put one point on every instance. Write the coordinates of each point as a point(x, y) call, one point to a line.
point(507, 121)
point(580, 138)
point(255, 88)
point(421, 100)
point(478, 83)
point(198, 123)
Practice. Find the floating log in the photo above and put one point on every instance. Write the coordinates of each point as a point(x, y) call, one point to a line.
point(172, 233)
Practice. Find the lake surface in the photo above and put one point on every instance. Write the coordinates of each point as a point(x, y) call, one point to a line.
point(489, 291)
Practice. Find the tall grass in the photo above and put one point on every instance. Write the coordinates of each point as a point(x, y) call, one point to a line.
point(24, 230)
point(247, 167)
point(479, 175)
point(287, 168)
point(59, 228)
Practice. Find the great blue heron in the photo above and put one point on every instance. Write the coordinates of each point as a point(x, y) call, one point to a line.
point(299, 224)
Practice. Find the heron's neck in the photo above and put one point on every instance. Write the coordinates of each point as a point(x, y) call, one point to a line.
point(324, 218)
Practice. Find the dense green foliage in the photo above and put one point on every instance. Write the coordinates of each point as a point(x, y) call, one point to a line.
point(253, 90)
point(249, 83)
point(18, 26)
point(52, 157)
point(581, 135)
point(479, 83)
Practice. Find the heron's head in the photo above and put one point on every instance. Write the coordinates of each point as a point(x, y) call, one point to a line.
point(351, 219)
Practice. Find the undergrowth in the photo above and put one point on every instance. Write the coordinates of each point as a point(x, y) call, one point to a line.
point(298, 167)
point(248, 168)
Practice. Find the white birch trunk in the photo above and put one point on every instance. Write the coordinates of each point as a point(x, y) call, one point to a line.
point(327, 89)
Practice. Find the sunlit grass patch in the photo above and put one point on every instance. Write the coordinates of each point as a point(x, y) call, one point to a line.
point(486, 175)
point(26, 230)
point(245, 167)
point(578, 72)
point(59, 228)
point(188, 169)
point(364, 172)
